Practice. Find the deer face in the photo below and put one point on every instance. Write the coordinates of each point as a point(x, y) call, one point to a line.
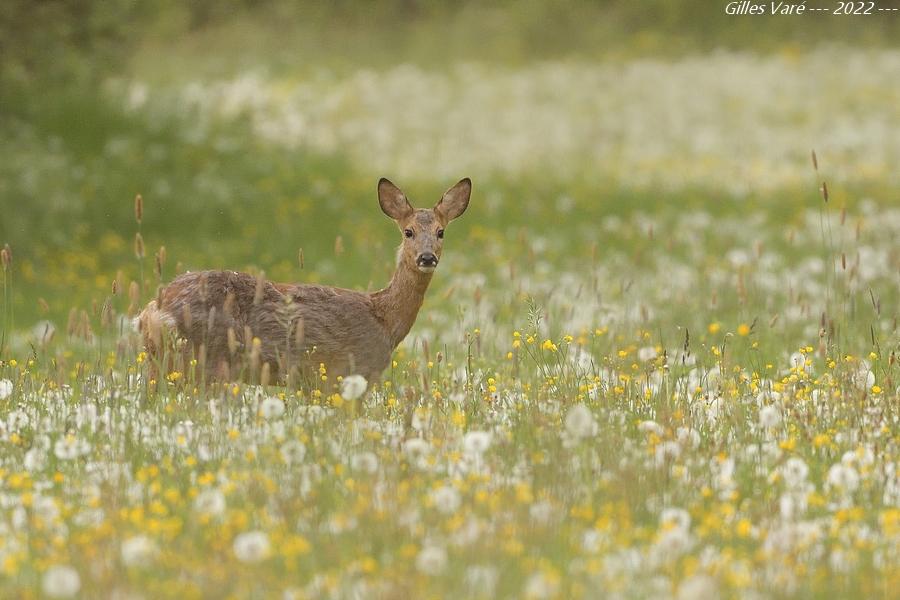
point(423, 228)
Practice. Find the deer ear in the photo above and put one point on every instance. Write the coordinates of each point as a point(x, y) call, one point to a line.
point(392, 201)
point(455, 200)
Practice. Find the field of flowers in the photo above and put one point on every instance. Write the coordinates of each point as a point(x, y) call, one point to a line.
point(658, 358)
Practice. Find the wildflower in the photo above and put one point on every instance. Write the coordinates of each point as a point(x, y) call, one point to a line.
point(769, 417)
point(446, 499)
point(138, 550)
point(365, 462)
point(651, 427)
point(675, 518)
point(6, 388)
point(580, 422)
point(271, 408)
point(293, 451)
point(666, 452)
point(743, 330)
point(353, 386)
point(210, 502)
point(417, 451)
point(61, 581)
point(647, 353)
point(70, 447)
point(432, 560)
point(794, 472)
point(252, 546)
point(476, 442)
point(842, 478)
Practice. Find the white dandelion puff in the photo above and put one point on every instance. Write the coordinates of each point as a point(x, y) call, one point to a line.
point(769, 417)
point(210, 502)
point(252, 546)
point(580, 422)
point(353, 386)
point(432, 560)
point(446, 499)
point(138, 550)
point(293, 452)
point(271, 408)
point(61, 581)
point(476, 442)
point(364, 462)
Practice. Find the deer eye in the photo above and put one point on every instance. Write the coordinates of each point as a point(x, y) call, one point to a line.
point(440, 234)
point(408, 233)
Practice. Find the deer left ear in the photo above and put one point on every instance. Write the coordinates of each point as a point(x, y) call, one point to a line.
point(455, 200)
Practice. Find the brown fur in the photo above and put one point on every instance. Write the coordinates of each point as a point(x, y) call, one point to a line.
point(218, 313)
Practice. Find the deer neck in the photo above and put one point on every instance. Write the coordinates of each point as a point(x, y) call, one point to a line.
point(398, 304)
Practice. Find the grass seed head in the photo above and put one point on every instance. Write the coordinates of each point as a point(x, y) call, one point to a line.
point(139, 250)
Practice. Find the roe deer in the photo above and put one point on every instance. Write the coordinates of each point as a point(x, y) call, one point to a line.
point(228, 320)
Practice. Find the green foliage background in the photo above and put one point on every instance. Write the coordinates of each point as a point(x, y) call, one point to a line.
point(66, 203)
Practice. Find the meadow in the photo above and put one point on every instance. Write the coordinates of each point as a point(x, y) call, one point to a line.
point(658, 358)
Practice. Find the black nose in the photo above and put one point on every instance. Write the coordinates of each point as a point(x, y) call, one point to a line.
point(427, 260)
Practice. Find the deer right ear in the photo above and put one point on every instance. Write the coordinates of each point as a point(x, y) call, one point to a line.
point(392, 201)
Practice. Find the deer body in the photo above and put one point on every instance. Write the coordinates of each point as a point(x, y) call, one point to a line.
point(226, 317)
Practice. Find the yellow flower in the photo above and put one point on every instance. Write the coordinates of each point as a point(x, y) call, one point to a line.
point(743, 330)
point(714, 328)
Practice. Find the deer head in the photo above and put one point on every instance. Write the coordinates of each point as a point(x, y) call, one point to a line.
point(423, 228)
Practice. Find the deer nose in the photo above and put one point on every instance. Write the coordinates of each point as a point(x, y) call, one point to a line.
point(427, 259)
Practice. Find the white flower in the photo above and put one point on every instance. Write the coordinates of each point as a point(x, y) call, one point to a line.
point(61, 581)
point(687, 437)
point(666, 452)
point(138, 550)
point(843, 478)
point(416, 447)
point(541, 512)
point(353, 386)
point(446, 499)
point(35, 460)
point(675, 517)
point(293, 451)
point(476, 442)
point(646, 353)
point(252, 546)
point(271, 408)
point(651, 427)
point(580, 422)
point(210, 502)
point(769, 417)
point(6, 388)
point(365, 462)
point(432, 560)
point(794, 472)
point(70, 447)
point(18, 420)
